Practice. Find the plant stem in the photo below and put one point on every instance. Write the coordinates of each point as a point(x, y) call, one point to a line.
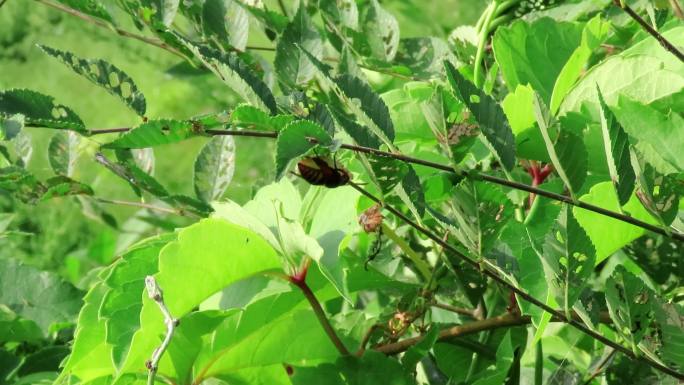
point(320, 313)
point(155, 293)
point(466, 174)
point(521, 293)
point(539, 364)
point(103, 24)
point(422, 267)
point(454, 309)
point(141, 205)
point(660, 38)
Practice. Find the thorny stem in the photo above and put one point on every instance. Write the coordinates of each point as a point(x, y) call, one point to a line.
point(521, 293)
point(299, 280)
point(660, 38)
point(466, 174)
point(156, 294)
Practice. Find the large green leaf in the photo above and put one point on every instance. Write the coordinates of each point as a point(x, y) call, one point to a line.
point(382, 31)
point(63, 152)
point(630, 304)
point(214, 168)
point(291, 64)
point(638, 77)
point(621, 233)
point(594, 33)
point(292, 143)
point(233, 71)
point(104, 74)
point(519, 109)
point(90, 356)
point(489, 115)
point(661, 142)
point(39, 110)
point(535, 53)
point(570, 255)
point(567, 153)
point(229, 253)
point(227, 22)
point(373, 368)
point(121, 304)
point(39, 296)
point(616, 144)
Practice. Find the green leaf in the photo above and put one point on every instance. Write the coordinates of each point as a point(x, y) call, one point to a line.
point(23, 148)
point(424, 56)
point(227, 22)
point(504, 359)
point(660, 194)
point(334, 220)
point(63, 152)
point(594, 33)
point(90, 354)
point(342, 12)
point(360, 134)
point(131, 173)
point(519, 109)
point(662, 141)
point(157, 132)
point(166, 10)
point(214, 168)
point(373, 368)
point(61, 186)
point(670, 317)
point(381, 29)
point(595, 225)
point(11, 126)
point(90, 7)
point(630, 304)
point(39, 110)
point(568, 154)
point(633, 77)
point(220, 264)
point(104, 74)
point(21, 183)
point(535, 53)
point(292, 143)
point(16, 329)
point(489, 115)
point(291, 64)
point(416, 352)
point(120, 306)
point(570, 255)
point(388, 172)
point(40, 296)
point(233, 71)
point(616, 144)
point(367, 105)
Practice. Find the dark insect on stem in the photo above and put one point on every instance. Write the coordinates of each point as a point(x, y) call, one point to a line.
point(317, 171)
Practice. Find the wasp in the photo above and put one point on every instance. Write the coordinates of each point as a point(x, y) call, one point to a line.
point(317, 171)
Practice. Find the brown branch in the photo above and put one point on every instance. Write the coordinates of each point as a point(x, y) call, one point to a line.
point(521, 293)
point(104, 24)
point(644, 24)
point(467, 174)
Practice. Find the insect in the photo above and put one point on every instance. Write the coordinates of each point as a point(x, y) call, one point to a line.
point(318, 172)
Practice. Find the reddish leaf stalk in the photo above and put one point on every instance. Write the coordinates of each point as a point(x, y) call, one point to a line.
point(299, 279)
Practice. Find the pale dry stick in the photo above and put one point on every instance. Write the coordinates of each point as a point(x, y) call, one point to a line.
point(156, 294)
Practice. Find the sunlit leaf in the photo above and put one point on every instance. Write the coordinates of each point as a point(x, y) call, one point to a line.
point(214, 168)
point(63, 152)
point(39, 110)
point(291, 64)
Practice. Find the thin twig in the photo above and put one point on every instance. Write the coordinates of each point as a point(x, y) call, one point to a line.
point(156, 294)
point(677, 9)
point(466, 174)
point(455, 309)
point(141, 205)
point(103, 24)
point(521, 293)
point(600, 368)
point(644, 24)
